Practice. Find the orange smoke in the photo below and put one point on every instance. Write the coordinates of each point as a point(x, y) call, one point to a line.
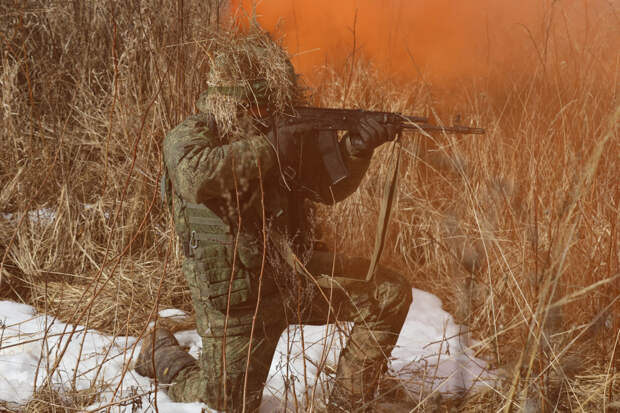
point(438, 39)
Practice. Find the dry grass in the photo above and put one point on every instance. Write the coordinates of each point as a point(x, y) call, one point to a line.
point(516, 231)
point(50, 401)
point(88, 93)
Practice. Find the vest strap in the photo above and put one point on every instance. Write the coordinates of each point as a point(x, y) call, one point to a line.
point(205, 226)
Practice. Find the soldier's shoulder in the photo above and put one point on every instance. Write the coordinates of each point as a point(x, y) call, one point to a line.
point(201, 123)
point(200, 126)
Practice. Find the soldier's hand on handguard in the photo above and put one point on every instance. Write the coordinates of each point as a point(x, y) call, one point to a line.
point(369, 135)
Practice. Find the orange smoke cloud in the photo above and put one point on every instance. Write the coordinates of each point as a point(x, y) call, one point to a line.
point(443, 39)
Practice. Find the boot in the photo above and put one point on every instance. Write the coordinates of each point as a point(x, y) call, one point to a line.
point(162, 356)
point(341, 400)
point(354, 392)
point(355, 384)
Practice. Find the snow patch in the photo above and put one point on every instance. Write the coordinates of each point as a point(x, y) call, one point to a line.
point(172, 313)
point(43, 216)
point(431, 354)
point(47, 215)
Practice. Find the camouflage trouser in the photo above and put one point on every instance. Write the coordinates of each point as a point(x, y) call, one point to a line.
point(378, 309)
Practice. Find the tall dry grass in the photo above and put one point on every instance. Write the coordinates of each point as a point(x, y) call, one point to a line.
point(88, 91)
point(516, 231)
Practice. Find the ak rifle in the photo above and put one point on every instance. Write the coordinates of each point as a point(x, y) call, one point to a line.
point(326, 119)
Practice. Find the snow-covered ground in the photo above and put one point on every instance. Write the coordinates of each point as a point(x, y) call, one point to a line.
point(431, 354)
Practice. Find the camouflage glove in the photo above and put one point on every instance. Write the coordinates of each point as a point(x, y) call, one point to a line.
point(369, 135)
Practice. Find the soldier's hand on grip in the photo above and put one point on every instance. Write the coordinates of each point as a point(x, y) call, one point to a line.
point(369, 135)
point(285, 140)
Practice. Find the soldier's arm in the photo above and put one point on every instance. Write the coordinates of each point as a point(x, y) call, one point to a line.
point(201, 167)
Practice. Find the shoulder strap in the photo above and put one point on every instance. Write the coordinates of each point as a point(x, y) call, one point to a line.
point(165, 190)
point(387, 202)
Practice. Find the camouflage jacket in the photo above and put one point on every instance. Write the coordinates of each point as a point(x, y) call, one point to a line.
point(232, 180)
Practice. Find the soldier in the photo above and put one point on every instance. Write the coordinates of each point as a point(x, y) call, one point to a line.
point(231, 203)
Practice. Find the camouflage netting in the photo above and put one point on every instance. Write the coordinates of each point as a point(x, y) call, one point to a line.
point(248, 69)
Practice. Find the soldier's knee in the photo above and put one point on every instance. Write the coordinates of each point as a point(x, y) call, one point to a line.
point(403, 297)
point(188, 386)
point(407, 297)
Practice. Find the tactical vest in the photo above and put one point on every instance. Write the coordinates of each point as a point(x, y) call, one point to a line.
point(214, 257)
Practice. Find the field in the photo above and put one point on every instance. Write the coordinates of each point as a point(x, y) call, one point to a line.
point(517, 231)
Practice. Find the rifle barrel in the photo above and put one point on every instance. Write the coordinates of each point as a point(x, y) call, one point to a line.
point(462, 130)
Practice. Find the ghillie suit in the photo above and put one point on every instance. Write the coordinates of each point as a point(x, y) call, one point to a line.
point(231, 205)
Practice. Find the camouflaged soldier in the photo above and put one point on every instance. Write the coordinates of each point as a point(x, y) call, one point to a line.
point(230, 201)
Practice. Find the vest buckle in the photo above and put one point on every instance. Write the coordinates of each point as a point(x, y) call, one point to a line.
point(193, 240)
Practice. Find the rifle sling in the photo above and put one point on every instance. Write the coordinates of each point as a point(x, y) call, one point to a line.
point(387, 202)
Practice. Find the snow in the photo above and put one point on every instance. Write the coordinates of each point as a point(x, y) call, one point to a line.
point(431, 355)
point(43, 215)
point(46, 216)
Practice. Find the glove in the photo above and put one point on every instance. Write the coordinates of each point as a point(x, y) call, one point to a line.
point(369, 135)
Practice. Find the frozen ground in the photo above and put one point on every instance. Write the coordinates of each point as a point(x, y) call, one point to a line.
point(431, 354)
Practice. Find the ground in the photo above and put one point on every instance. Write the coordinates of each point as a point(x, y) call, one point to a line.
point(433, 354)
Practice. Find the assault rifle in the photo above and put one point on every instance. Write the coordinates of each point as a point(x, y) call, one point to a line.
point(348, 120)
